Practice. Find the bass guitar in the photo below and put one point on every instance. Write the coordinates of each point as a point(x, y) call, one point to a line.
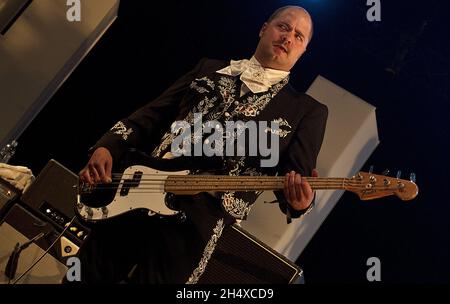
point(146, 187)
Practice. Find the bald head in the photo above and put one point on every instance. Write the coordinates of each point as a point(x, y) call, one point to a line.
point(282, 9)
point(284, 38)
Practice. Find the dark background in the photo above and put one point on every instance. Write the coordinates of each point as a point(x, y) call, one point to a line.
point(401, 65)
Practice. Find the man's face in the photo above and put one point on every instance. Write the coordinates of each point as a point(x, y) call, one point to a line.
point(284, 39)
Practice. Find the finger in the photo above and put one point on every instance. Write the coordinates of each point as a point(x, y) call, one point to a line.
point(85, 176)
point(286, 187)
point(292, 190)
point(298, 187)
point(315, 173)
point(108, 168)
point(306, 189)
point(101, 172)
point(94, 174)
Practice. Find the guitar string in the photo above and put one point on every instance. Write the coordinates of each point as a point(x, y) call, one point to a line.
point(225, 178)
point(240, 178)
point(256, 179)
point(117, 175)
point(159, 188)
point(239, 181)
point(206, 181)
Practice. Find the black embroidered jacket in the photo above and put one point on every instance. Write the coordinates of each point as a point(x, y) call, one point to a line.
point(301, 121)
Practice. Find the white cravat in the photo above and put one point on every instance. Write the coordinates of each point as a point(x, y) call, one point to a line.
point(255, 78)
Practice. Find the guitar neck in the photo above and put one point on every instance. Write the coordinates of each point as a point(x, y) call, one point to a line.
point(200, 183)
point(141, 179)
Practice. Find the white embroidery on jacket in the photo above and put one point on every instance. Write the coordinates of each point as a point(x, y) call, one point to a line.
point(121, 129)
point(207, 252)
point(280, 131)
point(236, 207)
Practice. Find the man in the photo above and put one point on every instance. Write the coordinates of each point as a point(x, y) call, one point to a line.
point(247, 90)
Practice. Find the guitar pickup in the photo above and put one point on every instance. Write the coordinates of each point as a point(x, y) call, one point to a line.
point(131, 183)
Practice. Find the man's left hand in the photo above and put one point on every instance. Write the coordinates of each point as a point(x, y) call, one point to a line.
point(298, 191)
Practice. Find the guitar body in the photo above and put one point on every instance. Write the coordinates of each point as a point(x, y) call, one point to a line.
point(131, 191)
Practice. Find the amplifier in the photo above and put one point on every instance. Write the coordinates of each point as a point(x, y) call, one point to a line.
point(53, 195)
point(8, 194)
point(34, 221)
point(240, 258)
point(20, 228)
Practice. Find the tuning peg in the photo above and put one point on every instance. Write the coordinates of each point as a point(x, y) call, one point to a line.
point(385, 172)
point(399, 174)
point(371, 169)
point(412, 177)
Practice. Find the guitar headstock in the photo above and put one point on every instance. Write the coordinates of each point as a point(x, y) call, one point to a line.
point(371, 186)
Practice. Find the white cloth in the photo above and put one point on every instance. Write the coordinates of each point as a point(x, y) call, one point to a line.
point(18, 176)
point(255, 77)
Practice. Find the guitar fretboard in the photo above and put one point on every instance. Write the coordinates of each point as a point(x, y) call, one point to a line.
point(243, 183)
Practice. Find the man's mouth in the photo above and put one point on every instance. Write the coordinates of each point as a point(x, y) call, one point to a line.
point(282, 48)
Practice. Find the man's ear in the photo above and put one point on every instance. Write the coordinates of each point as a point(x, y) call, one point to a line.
point(263, 29)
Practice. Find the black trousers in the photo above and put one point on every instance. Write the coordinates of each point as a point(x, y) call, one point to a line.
point(136, 248)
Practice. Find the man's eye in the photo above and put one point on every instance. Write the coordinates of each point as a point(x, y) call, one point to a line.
point(283, 27)
point(299, 37)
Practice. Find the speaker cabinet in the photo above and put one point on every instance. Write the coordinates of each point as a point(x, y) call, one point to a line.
point(20, 227)
point(53, 195)
point(8, 194)
point(47, 207)
point(240, 258)
point(56, 186)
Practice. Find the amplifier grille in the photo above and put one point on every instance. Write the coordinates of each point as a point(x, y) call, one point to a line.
point(240, 258)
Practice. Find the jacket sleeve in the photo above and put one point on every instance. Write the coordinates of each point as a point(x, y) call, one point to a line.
point(302, 152)
point(139, 129)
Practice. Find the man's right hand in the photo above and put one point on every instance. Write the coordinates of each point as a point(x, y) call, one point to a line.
point(98, 169)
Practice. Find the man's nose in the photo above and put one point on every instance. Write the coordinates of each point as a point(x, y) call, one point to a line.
point(286, 38)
